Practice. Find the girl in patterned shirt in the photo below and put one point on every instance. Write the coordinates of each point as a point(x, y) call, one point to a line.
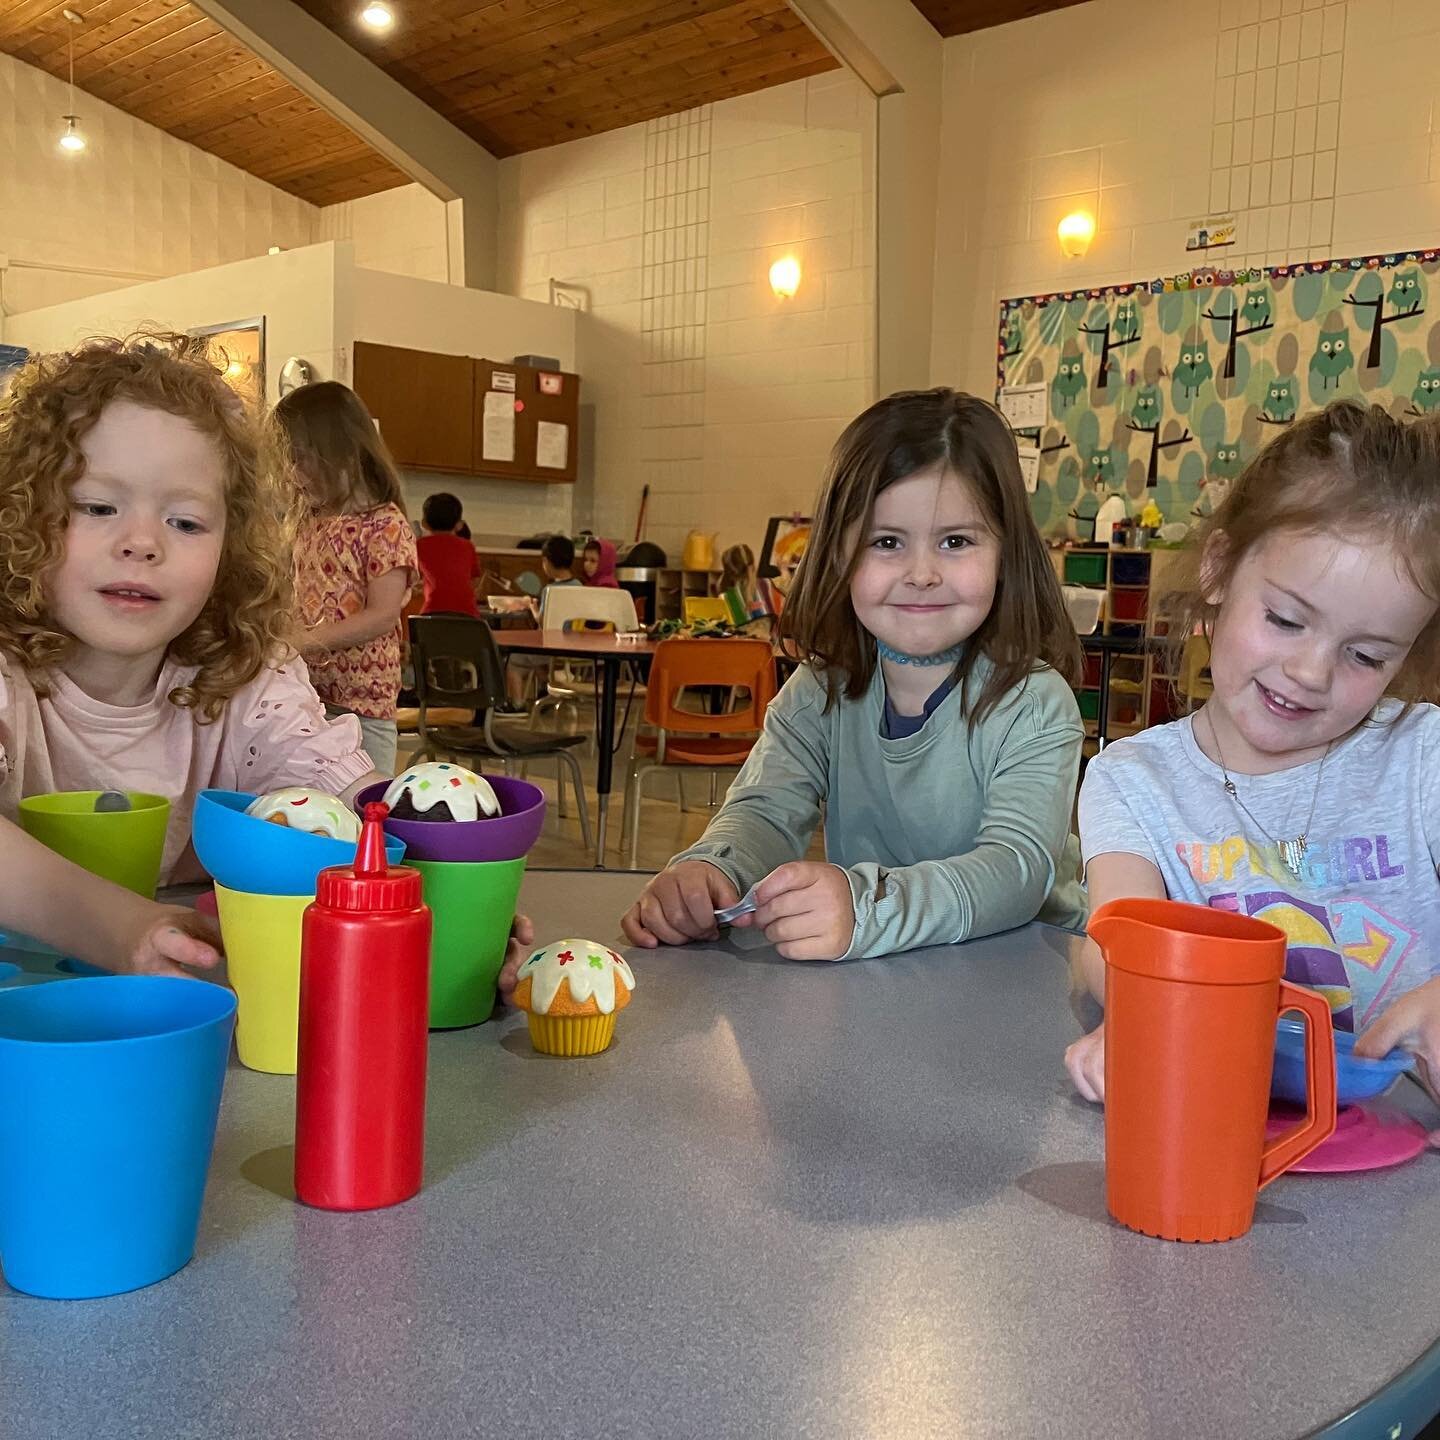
point(355, 561)
point(145, 593)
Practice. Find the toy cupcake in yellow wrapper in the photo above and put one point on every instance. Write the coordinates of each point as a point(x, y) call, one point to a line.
point(572, 991)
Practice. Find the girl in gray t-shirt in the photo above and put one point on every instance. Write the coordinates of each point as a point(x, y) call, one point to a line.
point(1306, 789)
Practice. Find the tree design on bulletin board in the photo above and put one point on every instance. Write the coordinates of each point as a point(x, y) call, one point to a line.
point(1163, 389)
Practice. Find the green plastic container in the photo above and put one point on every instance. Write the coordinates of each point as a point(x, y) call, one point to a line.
point(1084, 569)
point(1089, 703)
point(473, 906)
point(125, 846)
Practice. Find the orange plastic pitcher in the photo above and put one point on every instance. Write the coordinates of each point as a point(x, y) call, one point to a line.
point(1191, 999)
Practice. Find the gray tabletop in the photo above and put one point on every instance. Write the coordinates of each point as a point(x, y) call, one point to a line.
point(792, 1200)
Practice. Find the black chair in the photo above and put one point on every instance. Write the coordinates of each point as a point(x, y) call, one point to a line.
point(457, 666)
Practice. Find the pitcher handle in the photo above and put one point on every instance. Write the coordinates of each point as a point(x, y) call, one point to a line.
point(1285, 1150)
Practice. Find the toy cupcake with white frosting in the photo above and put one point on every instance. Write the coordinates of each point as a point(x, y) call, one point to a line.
point(572, 991)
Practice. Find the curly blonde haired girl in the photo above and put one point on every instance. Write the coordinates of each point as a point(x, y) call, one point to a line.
point(145, 598)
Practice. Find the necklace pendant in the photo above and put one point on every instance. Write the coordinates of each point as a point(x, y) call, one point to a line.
point(1292, 852)
point(1230, 788)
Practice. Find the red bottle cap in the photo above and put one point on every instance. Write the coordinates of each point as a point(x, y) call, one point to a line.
point(370, 883)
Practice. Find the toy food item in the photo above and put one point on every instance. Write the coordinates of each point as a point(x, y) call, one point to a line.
point(443, 792)
point(572, 991)
point(314, 811)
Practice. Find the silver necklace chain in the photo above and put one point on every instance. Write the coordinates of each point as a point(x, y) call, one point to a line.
point(1292, 852)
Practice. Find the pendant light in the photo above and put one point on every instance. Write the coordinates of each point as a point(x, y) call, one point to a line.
point(71, 140)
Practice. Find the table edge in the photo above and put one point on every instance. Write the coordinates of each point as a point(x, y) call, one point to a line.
point(1401, 1407)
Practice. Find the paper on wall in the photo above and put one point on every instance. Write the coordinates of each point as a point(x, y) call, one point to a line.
point(552, 445)
point(1030, 468)
point(1025, 406)
point(497, 436)
point(503, 380)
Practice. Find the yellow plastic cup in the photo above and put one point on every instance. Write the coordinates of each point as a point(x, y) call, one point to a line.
point(262, 946)
point(125, 846)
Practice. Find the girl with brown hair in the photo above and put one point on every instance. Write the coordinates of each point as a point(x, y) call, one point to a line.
point(931, 717)
point(1306, 790)
point(355, 559)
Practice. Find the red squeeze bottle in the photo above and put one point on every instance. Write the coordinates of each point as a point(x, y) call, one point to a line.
point(364, 1018)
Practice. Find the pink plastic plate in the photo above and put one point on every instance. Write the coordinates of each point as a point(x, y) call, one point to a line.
point(1364, 1139)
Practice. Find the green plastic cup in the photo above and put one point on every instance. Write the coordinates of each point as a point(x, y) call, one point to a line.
point(473, 906)
point(125, 846)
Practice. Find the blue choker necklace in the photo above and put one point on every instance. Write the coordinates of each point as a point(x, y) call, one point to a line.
point(899, 657)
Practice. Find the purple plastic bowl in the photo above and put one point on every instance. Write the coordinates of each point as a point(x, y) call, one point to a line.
point(506, 836)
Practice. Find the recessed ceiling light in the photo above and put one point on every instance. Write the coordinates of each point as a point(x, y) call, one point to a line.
point(377, 15)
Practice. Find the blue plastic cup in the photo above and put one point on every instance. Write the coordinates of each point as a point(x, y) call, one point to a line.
point(113, 1090)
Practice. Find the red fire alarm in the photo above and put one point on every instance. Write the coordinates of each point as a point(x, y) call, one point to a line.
point(551, 384)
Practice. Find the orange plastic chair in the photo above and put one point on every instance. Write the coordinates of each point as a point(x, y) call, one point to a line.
point(693, 741)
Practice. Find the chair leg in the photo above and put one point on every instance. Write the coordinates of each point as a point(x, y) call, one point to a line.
point(714, 779)
point(680, 783)
point(581, 803)
point(559, 788)
point(633, 799)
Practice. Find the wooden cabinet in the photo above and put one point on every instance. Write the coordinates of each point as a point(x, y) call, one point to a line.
point(424, 403)
point(466, 416)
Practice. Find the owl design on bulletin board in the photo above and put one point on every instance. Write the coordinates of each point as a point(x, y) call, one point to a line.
point(1069, 382)
point(1257, 310)
point(1194, 368)
point(1404, 293)
point(1282, 400)
point(1332, 358)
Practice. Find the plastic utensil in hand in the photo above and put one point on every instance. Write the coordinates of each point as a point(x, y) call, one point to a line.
point(747, 904)
point(110, 802)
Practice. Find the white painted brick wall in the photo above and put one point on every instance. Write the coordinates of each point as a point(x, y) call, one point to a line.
point(136, 202)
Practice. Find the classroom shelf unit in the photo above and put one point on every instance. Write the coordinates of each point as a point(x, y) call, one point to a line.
point(1141, 686)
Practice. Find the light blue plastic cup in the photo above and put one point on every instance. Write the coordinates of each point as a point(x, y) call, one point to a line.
point(114, 1092)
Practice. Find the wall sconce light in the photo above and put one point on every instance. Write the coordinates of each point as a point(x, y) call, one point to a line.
point(1076, 231)
point(785, 277)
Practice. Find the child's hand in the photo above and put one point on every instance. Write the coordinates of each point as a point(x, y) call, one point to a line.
point(806, 910)
point(679, 905)
point(1412, 1023)
point(168, 940)
point(1085, 1060)
point(522, 938)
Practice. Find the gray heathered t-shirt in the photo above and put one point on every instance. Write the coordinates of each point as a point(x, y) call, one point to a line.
point(1363, 919)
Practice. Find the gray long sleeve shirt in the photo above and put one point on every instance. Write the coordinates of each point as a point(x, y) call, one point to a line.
point(945, 835)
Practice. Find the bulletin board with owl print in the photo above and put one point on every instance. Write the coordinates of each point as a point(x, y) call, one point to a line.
point(1163, 389)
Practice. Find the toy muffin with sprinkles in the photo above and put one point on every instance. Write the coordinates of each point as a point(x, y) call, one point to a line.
point(571, 992)
point(439, 792)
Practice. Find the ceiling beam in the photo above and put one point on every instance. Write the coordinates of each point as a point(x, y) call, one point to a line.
point(401, 127)
point(897, 54)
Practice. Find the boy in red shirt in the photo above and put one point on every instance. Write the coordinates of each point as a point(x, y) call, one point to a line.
point(448, 564)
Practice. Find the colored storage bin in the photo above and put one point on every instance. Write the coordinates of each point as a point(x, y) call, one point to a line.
point(1089, 704)
point(1092, 670)
point(1163, 704)
point(1129, 605)
point(1130, 570)
point(1084, 567)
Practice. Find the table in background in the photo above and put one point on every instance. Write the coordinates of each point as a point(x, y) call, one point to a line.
point(840, 1201)
point(608, 653)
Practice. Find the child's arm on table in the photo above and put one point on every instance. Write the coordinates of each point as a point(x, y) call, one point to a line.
point(1412, 1023)
point(767, 820)
point(1115, 876)
point(82, 915)
point(815, 911)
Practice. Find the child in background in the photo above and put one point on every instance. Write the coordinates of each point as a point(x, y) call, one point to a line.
point(355, 559)
point(932, 717)
point(557, 564)
point(1306, 790)
point(598, 564)
point(145, 592)
point(737, 572)
point(448, 564)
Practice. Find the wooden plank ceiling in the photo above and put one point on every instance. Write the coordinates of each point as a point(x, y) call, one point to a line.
point(959, 17)
point(514, 74)
point(165, 63)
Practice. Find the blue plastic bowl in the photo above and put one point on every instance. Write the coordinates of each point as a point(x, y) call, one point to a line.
point(243, 853)
point(1355, 1078)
